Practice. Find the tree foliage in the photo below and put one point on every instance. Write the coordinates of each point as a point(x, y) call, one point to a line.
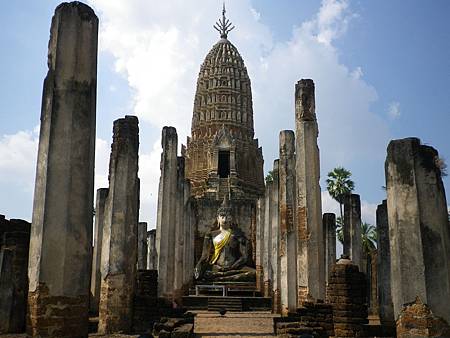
point(339, 185)
point(269, 176)
point(368, 235)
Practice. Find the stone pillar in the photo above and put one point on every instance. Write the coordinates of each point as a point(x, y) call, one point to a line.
point(189, 235)
point(288, 244)
point(346, 292)
point(329, 230)
point(166, 215)
point(418, 227)
point(61, 235)
point(14, 244)
point(120, 230)
point(102, 194)
point(179, 229)
point(142, 246)
point(311, 249)
point(152, 257)
point(267, 246)
point(275, 232)
point(352, 229)
point(386, 309)
point(260, 206)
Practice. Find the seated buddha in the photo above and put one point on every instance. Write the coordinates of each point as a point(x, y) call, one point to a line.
point(225, 252)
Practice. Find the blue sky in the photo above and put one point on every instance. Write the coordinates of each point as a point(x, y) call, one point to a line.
point(381, 70)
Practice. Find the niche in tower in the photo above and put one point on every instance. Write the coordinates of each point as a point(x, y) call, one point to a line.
point(223, 167)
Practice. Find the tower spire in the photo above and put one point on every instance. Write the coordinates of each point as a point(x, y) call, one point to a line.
point(223, 25)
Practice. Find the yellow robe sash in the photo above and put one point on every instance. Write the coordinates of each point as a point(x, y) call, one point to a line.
point(218, 247)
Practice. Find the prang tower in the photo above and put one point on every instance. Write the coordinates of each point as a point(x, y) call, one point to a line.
point(222, 155)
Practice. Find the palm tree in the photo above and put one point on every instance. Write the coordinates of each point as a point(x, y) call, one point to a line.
point(368, 237)
point(339, 185)
point(340, 229)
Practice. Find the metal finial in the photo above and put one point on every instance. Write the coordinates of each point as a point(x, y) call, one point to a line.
point(223, 25)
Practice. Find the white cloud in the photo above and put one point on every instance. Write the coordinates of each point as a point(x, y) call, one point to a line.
point(102, 152)
point(149, 173)
point(332, 20)
point(394, 110)
point(18, 153)
point(357, 73)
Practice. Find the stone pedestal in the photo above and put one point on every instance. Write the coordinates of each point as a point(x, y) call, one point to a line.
point(119, 247)
point(14, 244)
point(142, 246)
point(346, 292)
point(329, 231)
point(418, 227)
point(288, 244)
point(61, 235)
point(310, 250)
point(97, 254)
point(386, 309)
point(152, 257)
point(352, 229)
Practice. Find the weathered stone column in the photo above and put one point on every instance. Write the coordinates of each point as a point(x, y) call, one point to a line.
point(260, 206)
point(179, 234)
point(142, 246)
point(152, 257)
point(329, 230)
point(102, 194)
point(166, 215)
point(120, 230)
point(275, 232)
point(311, 249)
point(189, 235)
point(418, 227)
point(352, 229)
point(267, 247)
point(14, 244)
point(61, 235)
point(288, 244)
point(384, 267)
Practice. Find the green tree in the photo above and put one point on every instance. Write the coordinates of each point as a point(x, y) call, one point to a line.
point(339, 185)
point(368, 237)
point(340, 230)
point(269, 176)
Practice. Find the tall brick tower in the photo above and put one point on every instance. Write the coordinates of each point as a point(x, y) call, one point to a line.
point(222, 155)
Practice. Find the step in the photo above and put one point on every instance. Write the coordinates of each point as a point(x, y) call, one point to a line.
point(238, 324)
point(246, 303)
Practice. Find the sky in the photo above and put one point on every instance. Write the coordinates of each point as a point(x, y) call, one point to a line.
point(381, 70)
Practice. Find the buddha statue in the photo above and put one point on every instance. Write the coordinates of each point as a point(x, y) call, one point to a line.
point(225, 252)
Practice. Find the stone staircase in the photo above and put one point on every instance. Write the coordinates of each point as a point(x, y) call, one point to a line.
point(225, 303)
point(234, 324)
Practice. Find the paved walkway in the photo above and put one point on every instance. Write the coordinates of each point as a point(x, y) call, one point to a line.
point(234, 324)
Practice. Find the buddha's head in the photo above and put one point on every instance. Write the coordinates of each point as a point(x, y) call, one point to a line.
point(224, 214)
